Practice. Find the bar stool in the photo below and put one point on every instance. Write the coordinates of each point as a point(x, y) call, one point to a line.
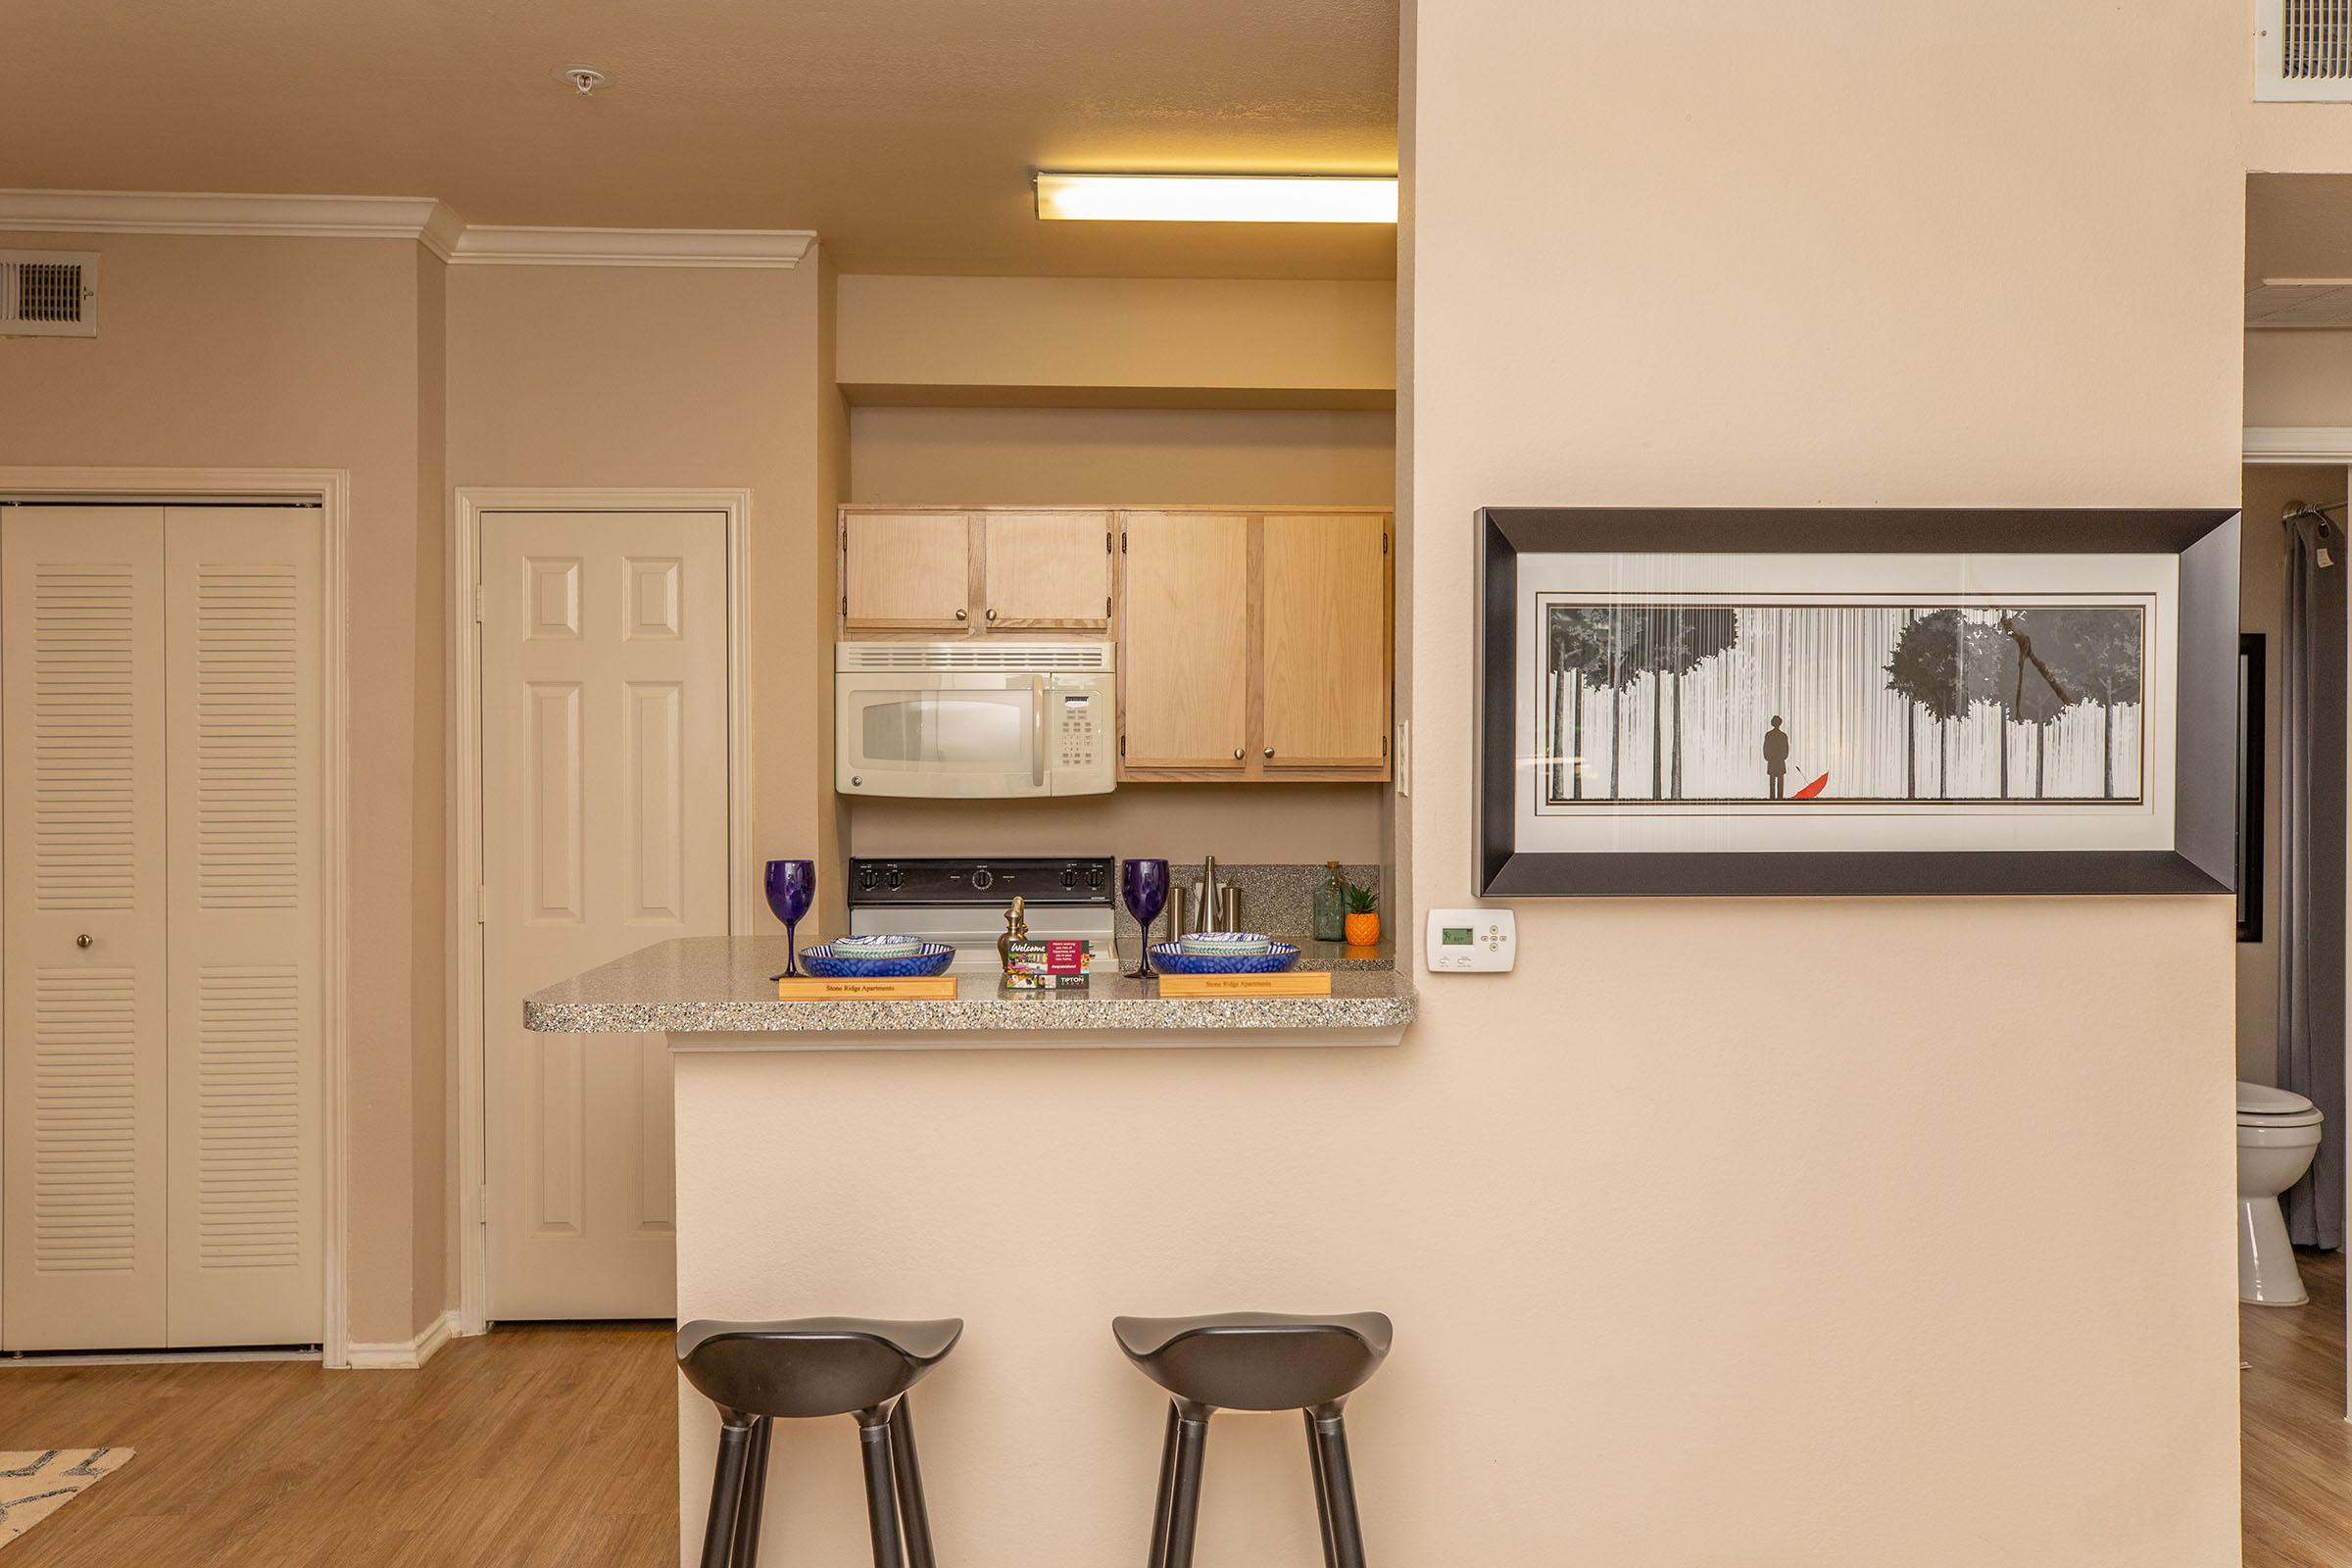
point(808, 1367)
point(1256, 1361)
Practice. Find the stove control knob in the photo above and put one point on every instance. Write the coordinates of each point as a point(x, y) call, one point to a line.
point(867, 878)
point(981, 878)
point(895, 879)
point(1070, 876)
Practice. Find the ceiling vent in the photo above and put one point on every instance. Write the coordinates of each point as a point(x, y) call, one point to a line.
point(48, 294)
point(2303, 51)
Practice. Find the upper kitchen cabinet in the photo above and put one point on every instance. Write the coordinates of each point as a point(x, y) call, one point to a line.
point(1255, 644)
point(1184, 658)
point(906, 571)
point(934, 570)
point(1045, 570)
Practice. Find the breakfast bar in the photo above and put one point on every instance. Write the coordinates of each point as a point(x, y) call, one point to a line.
point(1033, 1163)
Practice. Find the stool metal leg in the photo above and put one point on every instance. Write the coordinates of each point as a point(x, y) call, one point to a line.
point(881, 1500)
point(1184, 1509)
point(1315, 1460)
point(1165, 1501)
point(726, 1491)
point(1338, 1485)
point(754, 1494)
point(909, 1469)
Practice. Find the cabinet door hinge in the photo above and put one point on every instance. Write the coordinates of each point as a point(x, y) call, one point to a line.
point(482, 1206)
point(1107, 544)
point(1106, 607)
point(1122, 543)
point(845, 603)
point(481, 904)
point(1383, 544)
point(478, 602)
point(1122, 746)
point(1383, 746)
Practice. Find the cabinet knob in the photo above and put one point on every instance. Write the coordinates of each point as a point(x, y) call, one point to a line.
point(1236, 754)
point(962, 615)
point(992, 615)
point(1269, 752)
point(84, 940)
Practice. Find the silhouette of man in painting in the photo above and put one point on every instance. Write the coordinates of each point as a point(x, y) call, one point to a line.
point(1776, 759)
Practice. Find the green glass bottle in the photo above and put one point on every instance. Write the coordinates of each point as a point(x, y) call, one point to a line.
point(1331, 906)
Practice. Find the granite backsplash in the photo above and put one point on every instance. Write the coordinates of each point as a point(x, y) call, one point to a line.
point(1278, 899)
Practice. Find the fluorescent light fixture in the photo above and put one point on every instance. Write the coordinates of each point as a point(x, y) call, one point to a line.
point(1218, 198)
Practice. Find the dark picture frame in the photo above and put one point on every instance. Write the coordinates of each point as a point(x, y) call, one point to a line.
point(2253, 743)
point(2203, 857)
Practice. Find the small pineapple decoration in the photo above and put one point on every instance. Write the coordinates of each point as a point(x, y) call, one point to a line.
point(1364, 917)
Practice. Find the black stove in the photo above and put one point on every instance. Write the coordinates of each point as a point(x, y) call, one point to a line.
point(935, 882)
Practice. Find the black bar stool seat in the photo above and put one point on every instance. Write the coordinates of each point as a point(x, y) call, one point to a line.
point(805, 1368)
point(802, 1368)
point(1256, 1361)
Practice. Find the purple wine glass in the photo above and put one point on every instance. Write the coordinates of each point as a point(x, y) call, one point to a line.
point(791, 888)
point(1144, 884)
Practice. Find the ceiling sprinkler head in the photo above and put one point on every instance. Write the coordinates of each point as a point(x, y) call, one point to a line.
point(584, 80)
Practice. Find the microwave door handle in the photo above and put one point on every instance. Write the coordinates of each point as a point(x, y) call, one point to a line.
point(1037, 730)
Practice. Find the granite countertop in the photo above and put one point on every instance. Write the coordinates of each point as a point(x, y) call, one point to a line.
point(700, 986)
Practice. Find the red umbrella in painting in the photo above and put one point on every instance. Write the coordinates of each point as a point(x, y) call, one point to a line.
point(1808, 791)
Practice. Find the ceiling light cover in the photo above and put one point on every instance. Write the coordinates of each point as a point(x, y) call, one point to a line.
point(1218, 198)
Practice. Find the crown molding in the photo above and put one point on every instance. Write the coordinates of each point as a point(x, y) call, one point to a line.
point(494, 246)
point(422, 219)
point(2286, 443)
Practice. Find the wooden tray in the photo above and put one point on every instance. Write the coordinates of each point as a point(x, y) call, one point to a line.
point(1292, 983)
point(903, 988)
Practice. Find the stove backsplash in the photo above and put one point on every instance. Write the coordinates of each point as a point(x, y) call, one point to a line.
point(1278, 899)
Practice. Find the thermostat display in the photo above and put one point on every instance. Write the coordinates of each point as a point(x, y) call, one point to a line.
point(1471, 941)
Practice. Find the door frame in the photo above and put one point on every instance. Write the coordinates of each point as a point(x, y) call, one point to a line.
point(2314, 447)
point(468, 1037)
point(330, 490)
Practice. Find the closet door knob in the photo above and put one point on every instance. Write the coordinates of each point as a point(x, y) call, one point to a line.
point(84, 940)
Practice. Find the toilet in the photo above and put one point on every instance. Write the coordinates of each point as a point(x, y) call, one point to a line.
point(2278, 1134)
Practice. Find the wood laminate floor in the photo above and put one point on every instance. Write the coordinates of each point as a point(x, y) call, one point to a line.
point(2297, 1449)
point(527, 1446)
point(544, 1446)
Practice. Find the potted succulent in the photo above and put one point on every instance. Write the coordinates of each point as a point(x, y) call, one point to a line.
point(1364, 917)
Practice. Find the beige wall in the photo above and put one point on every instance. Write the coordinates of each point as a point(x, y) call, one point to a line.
point(1041, 340)
point(1834, 1316)
point(2299, 379)
point(309, 353)
point(688, 379)
point(1010, 456)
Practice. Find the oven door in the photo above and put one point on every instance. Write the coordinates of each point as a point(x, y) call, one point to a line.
point(942, 736)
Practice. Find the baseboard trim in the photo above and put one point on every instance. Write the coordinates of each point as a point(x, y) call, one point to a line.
point(403, 1356)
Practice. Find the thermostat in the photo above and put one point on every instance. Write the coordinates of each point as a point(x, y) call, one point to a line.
point(1472, 941)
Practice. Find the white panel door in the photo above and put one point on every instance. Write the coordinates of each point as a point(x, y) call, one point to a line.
point(243, 742)
point(82, 1072)
point(604, 830)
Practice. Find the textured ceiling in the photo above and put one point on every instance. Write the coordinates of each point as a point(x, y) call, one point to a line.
point(903, 132)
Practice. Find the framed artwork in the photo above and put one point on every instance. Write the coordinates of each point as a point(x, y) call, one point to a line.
point(2252, 742)
point(1857, 702)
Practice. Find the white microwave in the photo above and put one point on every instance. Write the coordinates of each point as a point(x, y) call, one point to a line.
point(978, 719)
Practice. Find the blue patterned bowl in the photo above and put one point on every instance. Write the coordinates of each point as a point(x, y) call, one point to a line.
point(1226, 944)
point(1171, 957)
point(826, 964)
point(876, 947)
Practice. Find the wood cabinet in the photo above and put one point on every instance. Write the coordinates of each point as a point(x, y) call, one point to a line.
point(972, 572)
point(1255, 644)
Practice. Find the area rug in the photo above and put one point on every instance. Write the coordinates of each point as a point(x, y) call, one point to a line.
point(35, 1486)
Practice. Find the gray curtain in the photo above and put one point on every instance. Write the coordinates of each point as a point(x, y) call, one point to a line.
point(2311, 864)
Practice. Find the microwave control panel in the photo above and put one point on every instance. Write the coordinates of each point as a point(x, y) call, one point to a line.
point(1079, 734)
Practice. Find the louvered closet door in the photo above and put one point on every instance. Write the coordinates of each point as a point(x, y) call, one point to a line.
point(242, 742)
point(82, 1004)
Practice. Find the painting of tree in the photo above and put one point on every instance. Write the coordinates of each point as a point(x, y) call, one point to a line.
point(1578, 648)
point(1947, 665)
point(2097, 652)
point(1675, 641)
point(2031, 689)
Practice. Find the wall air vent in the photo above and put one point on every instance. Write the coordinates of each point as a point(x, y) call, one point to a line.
point(2303, 51)
point(48, 294)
